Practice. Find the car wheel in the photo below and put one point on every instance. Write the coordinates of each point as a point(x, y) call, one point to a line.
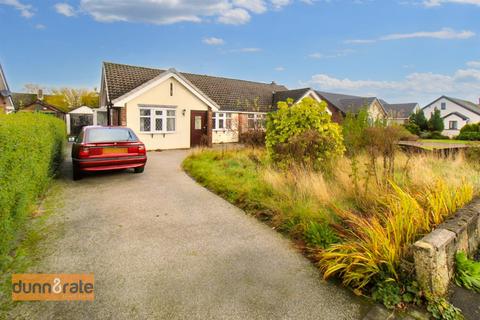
point(77, 174)
point(139, 169)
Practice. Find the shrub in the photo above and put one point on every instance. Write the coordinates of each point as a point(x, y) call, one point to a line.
point(433, 135)
point(418, 118)
point(471, 127)
point(435, 123)
point(469, 135)
point(303, 132)
point(31, 149)
point(413, 128)
point(253, 138)
point(467, 272)
point(353, 130)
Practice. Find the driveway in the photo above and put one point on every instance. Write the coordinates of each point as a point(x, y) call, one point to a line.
point(162, 247)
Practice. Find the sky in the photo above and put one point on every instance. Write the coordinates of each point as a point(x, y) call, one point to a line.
point(398, 50)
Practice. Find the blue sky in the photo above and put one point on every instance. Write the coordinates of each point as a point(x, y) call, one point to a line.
point(399, 50)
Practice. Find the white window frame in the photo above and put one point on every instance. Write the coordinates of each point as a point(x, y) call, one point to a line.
point(219, 116)
point(153, 117)
point(257, 118)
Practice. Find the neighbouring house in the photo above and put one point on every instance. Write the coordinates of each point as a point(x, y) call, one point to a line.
point(31, 102)
point(353, 104)
point(398, 113)
point(455, 113)
point(85, 116)
point(6, 101)
point(169, 109)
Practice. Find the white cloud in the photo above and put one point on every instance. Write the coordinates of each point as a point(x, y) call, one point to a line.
point(234, 16)
point(26, 10)
point(336, 54)
point(279, 69)
point(415, 87)
point(40, 26)
point(436, 3)
point(248, 50)
point(443, 34)
point(473, 64)
point(65, 9)
point(233, 12)
point(212, 41)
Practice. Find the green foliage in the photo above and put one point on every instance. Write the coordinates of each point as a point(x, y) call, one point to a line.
point(391, 294)
point(467, 272)
point(305, 125)
point(353, 129)
point(436, 135)
point(413, 128)
point(418, 118)
point(320, 235)
point(441, 309)
point(469, 136)
point(31, 149)
point(435, 123)
point(471, 127)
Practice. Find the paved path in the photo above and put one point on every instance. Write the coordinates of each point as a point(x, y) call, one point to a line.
point(162, 247)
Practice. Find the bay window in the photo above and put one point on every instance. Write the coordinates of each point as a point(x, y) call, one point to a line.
point(157, 119)
point(222, 121)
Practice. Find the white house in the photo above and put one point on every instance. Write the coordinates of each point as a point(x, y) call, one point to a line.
point(455, 113)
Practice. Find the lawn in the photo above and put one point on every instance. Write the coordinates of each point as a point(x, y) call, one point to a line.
point(355, 225)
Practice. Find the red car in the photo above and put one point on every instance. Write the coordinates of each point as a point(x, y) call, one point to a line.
point(107, 148)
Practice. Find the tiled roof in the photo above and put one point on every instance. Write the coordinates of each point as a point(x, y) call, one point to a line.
point(346, 103)
point(22, 99)
point(399, 110)
point(229, 94)
point(289, 94)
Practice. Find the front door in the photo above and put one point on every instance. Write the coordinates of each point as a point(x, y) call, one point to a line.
point(198, 128)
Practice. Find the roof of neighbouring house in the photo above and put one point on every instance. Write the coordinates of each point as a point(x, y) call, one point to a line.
point(45, 105)
point(458, 114)
point(295, 95)
point(22, 99)
point(229, 94)
point(399, 110)
point(475, 108)
point(347, 103)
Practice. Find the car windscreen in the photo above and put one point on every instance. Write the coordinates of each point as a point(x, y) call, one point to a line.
point(95, 135)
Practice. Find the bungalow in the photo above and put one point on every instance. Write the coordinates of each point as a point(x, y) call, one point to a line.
point(353, 104)
point(31, 102)
point(6, 102)
point(455, 113)
point(168, 109)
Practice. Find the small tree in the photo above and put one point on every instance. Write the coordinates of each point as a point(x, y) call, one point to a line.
point(303, 133)
point(436, 122)
point(419, 120)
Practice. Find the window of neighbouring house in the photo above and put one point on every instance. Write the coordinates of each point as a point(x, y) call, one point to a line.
point(453, 125)
point(157, 120)
point(222, 121)
point(443, 105)
point(256, 120)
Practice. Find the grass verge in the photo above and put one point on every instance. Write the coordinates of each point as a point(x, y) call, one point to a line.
point(42, 227)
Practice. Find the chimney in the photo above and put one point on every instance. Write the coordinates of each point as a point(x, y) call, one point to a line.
point(40, 94)
point(273, 83)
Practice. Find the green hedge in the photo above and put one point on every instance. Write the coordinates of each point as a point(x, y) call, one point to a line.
point(31, 149)
point(472, 136)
